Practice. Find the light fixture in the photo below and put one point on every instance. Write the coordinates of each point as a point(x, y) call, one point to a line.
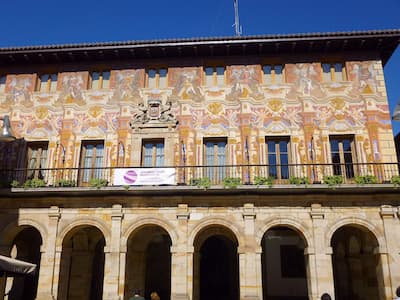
point(6, 132)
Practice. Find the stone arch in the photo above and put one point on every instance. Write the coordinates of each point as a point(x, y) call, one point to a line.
point(149, 220)
point(216, 221)
point(299, 227)
point(357, 222)
point(84, 221)
point(8, 234)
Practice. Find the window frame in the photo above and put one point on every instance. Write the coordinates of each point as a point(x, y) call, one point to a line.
point(39, 147)
point(3, 84)
point(332, 71)
point(94, 171)
point(273, 73)
point(50, 84)
point(101, 79)
point(157, 78)
point(280, 168)
point(217, 170)
point(343, 168)
point(154, 154)
point(214, 76)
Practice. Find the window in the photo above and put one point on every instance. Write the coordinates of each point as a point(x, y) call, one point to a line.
point(37, 159)
point(342, 155)
point(333, 72)
point(157, 78)
point(100, 80)
point(2, 84)
point(214, 76)
point(47, 83)
point(273, 74)
point(92, 155)
point(278, 157)
point(215, 158)
point(153, 153)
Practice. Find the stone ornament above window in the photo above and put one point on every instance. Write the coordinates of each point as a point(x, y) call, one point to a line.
point(154, 114)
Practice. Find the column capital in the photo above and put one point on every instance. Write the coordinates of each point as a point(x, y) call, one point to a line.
point(248, 211)
point(116, 212)
point(54, 212)
point(183, 212)
point(317, 211)
point(388, 211)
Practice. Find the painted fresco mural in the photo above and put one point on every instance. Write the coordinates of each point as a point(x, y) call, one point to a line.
point(302, 107)
point(126, 85)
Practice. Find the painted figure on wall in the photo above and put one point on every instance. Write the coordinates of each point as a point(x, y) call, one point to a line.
point(245, 83)
point(127, 84)
point(305, 79)
point(19, 90)
point(186, 82)
point(71, 89)
point(363, 76)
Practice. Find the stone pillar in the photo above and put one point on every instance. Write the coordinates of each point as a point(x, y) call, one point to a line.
point(250, 276)
point(320, 271)
point(4, 250)
point(179, 258)
point(390, 260)
point(112, 256)
point(48, 258)
point(61, 271)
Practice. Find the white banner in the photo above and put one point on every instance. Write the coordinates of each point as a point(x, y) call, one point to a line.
point(144, 176)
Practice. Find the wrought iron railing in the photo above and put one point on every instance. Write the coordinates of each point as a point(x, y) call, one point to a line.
point(188, 175)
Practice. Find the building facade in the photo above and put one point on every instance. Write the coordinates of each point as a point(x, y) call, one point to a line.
point(220, 168)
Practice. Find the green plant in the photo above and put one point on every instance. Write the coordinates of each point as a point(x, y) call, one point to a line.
point(14, 183)
point(98, 182)
point(299, 180)
point(333, 180)
point(231, 182)
point(261, 180)
point(65, 182)
point(126, 187)
point(366, 179)
point(34, 183)
point(395, 180)
point(203, 182)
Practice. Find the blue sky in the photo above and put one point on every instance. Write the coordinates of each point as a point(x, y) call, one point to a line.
point(25, 22)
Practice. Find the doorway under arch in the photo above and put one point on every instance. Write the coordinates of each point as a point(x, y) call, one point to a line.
point(215, 265)
point(25, 247)
point(148, 262)
point(356, 267)
point(82, 264)
point(284, 274)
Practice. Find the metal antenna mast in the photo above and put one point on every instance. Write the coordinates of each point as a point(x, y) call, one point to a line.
point(238, 27)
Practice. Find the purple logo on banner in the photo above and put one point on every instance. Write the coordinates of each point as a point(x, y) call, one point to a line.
point(130, 177)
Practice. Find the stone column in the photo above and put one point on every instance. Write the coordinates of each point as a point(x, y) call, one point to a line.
point(179, 258)
point(112, 256)
point(4, 250)
point(390, 260)
point(250, 276)
point(48, 258)
point(61, 271)
point(320, 271)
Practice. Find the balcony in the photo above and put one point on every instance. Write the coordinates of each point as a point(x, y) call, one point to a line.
point(307, 175)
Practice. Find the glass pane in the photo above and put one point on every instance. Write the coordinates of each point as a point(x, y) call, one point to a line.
point(220, 76)
point(271, 147)
point(326, 69)
point(53, 84)
point(278, 74)
point(338, 72)
point(148, 155)
point(221, 153)
point(209, 76)
point(95, 80)
point(334, 145)
point(159, 155)
point(283, 146)
point(346, 145)
point(2, 83)
point(44, 83)
point(106, 80)
point(152, 78)
point(162, 78)
point(209, 154)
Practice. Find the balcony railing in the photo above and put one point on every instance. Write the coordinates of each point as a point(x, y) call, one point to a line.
point(188, 175)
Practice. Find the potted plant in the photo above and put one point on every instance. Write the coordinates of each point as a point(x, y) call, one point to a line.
point(231, 182)
point(261, 180)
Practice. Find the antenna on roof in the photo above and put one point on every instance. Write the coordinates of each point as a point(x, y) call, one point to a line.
point(238, 27)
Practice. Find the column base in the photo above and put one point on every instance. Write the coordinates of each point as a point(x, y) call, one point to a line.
point(45, 296)
point(250, 298)
point(179, 297)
